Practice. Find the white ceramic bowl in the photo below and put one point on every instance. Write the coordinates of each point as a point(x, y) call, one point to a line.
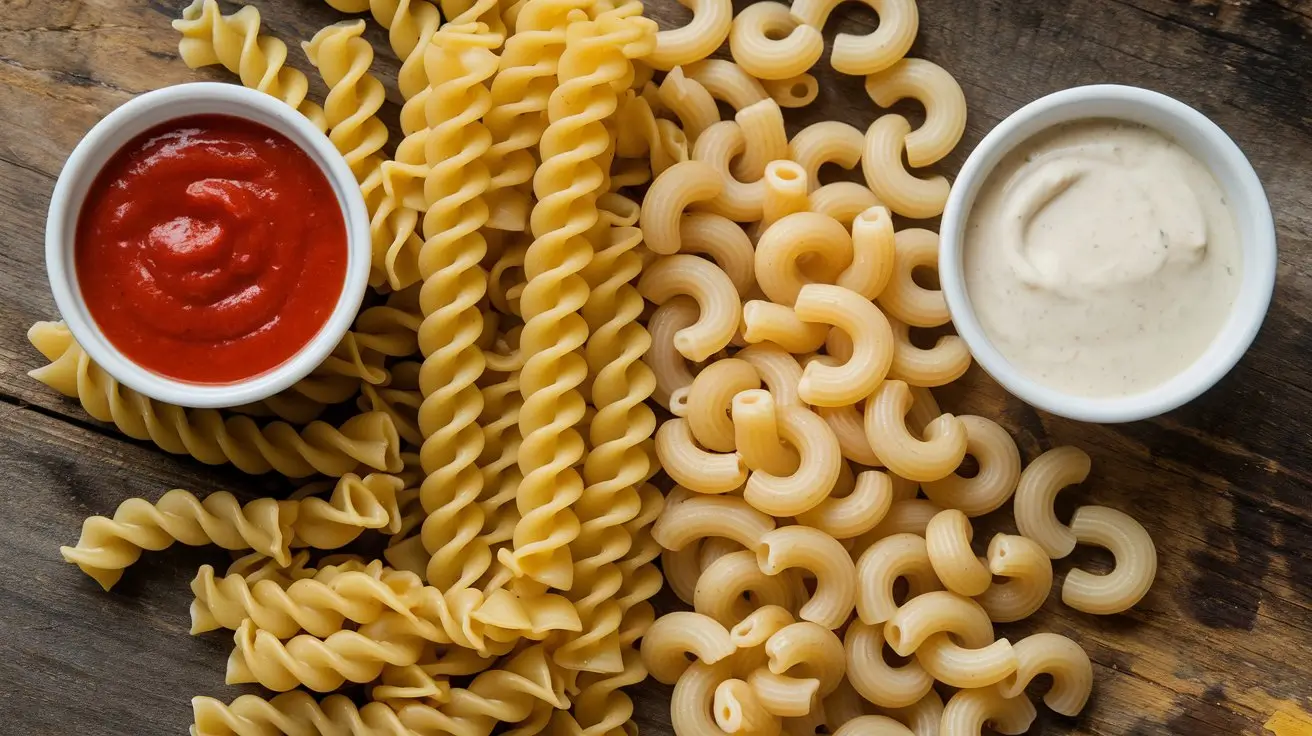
point(1201, 138)
point(127, 122)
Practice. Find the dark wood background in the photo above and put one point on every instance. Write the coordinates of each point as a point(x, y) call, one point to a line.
point(1222, 644)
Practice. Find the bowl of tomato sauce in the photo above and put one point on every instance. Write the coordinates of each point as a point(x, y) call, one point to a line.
point(207, 245)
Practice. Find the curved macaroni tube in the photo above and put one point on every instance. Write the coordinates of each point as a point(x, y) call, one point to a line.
point(1056, 655)
point(765, 321)
point(723, 585)
point(1136, 562)
point(924, 409)
point(873, 726)
point(938, 454)
point(757, 628)
point(669, 195)
point(709, 27)
point(725, 242)
point(899, 21)
point(669, 366)
point(738, 711)
point(940, 365)
point(969, 711)
point(1029, 573)
point(798, 91)
point(778, 369)
point(810, 651)
point(809, 236)
point(843, 201)
point(713, 549)
point(784, 696)
point(826, 142)
point(908, 516)
point(682, 570)
point(935, 89)
point(726, 81)
point(904, 556)
point(753, 44)
point(873, 677)
point(849, 427)
point(846, 517)
point(958, 666)
point(674, 636)
point(786, 192)
point(694, 468)
point(904, 193)
point(711, 397)
point(739, 201)
point(922, 718)
point(756, 435)
point(690, 101)
point(903, 298)
point(793, 493)
point(698, 517)
point(765, 139)
point(947, 539)
point(872, 345)
point(937, 612)
point(1036, 492)
point(999, 471)
point(822, 556)
point(693, 698)
point(714, 293)
point(873, 254)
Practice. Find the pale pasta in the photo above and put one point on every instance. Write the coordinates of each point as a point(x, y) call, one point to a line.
point(940, 365)
point(716, 297)
point(756, 435)
point(903, 298)
point(784, 696)
point(944, 102)
point(726, 81)
point(826, 142)
point(819, 459)
point(899, 21)
point(690, 101)
point(725, 242)
point(937, 612)
point(753, 45)
point(1029, 578)
point(873, 254)
point(711, 20)
point(798, 91)
point(786, 191)
point(860, 510)
point(710, 398)
point(1136, 562)
point(947, 539)
point(765, 321)
point(669, 195)
point(733, 585)
point(933, 458)
point(698, 517)
point(958, 666)
point(897, 188)
point(810, 651)
point(1037, 491)
point(816, 238)
point(693, 467)
point(822, 556)
point(1058, 656)
point(872, 345)
point(843, 200)
point(999, 471)
point(969, 711)
point(737, 200)
point(671, 640)
point(898, 556)
point(873, 677)
point(666, 362)
point(873, 726)
point(762, 126)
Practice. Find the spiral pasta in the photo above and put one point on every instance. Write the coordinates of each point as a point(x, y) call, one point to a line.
point(292, 712)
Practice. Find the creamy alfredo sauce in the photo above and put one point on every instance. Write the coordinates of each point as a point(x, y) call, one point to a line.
point(1101, 258)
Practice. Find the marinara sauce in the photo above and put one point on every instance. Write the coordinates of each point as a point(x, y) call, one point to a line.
point(210, 249)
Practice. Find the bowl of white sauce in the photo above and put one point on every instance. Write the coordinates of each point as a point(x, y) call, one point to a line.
point(1107, 253)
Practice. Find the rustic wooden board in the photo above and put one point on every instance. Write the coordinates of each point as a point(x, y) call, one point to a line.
point(1220, 645)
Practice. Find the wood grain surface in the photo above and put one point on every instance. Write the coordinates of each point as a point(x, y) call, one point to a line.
point(1221, 646)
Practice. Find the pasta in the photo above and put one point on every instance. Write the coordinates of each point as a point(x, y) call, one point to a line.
point(786, 192)
point(765, 321)
point(1029, 573)
point(872, 676)
point(818, 553)
point(849, 516)
point(899, 22)
point(709, 400)
point(320, 664)
point(692, 518)
point(1036, 491)
point(669, 640)
point(670, 194)
point(1136, 562)
point(843, 200)
point(803, 235)
point(753, 45)
point(933, 458)
point(800, 488)
point(694, 468)
point(726, 81)
point(872, 345)
point(798, 91)
point(667, 363)
point(289, 713)
point(940, 365)
point(736, 200)
point(1056, 655)
point(952, 664)
point(947, 540)
point(690, 102)
point(826, 142)
point(809, 650)
point(756, 436)
point(873, 726)
point(725, 242)
point(970, 710)
point(716, 297)
point(933, 87)
point(933, 613)
point(711, 20)
point(899, 556)
point(762, 126)
point(723, 584)
point(873, 254)
point(898, 189)
point(903, 298)
point(737, 710)
point(782, 695)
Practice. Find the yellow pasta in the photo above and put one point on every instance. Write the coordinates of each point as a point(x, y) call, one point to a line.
point(999, 471)
point(752, 41)
point(784, 696)
point(710, 398)
point(798, 91)
point(693, 698)
point(1136, 562)
point(821, 555)
point(826, 142)
point(1064, 660)
point(709, 27)
point(762, 125)
point(802, 487)
point(670, 194)
point(669, 365)
point(726, 81)
point(849, 516)
point(320, 664)
point(958, 666)
point(969, 711)
point(765, 321)
point(843, 201)
point(872, 345)
point(756, 423)
point(697, 517)
point(786, 192)
point(737, 200)
point(873, 677)
point(944, 102)
point(937, 612)
point(947, 540)
point(731, 587)
point(873, 254)
point(716, 297)
point(898, 556)
point(290, 712)
point(670, 640)
point(923, 718)
point(807, 650)
point(1036, 492)
point(899, 190)
point(738, 711)
point(903, 298)
point(777, 368)
point(725, 242)
point(690, 102)
point(1029, 578)
point(818, 239)
point(934, 457)
point(873, 726)
point(899, 21)
point(693, 467)
point(682, 570)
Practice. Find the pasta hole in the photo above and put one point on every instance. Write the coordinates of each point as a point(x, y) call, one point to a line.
point(893, 659)
point(830, 172)
point(1000, 580)
point(969, 467)
point(926, 338)
point(786, 173)
point(801, 90)
point(901, 591)
point(926, 277)
point(1093, 559)
point(777, 32)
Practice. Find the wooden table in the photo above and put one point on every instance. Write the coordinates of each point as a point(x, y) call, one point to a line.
point(1222, 643)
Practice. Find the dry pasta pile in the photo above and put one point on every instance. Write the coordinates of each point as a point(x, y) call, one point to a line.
point(528, 313)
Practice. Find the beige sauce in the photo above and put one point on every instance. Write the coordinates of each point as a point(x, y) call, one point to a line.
point(1101, 258)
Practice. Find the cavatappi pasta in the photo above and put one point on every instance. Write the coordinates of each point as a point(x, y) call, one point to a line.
point(505, 441)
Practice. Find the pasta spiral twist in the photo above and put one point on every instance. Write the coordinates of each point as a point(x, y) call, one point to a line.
point(320, 664)
point(459, 61)
point(235, 42)
point(107, 546)
point(369, 439)
point(567, 184)
point(294, 712)
point(410, 25)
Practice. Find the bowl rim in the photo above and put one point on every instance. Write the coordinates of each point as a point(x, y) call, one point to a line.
point(156, 108)
point(1257, 236)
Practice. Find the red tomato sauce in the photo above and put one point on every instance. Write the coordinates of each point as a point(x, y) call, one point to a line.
point(210, 249)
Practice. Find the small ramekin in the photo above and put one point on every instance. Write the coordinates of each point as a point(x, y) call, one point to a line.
point(1205, 141)
point(136, 117)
